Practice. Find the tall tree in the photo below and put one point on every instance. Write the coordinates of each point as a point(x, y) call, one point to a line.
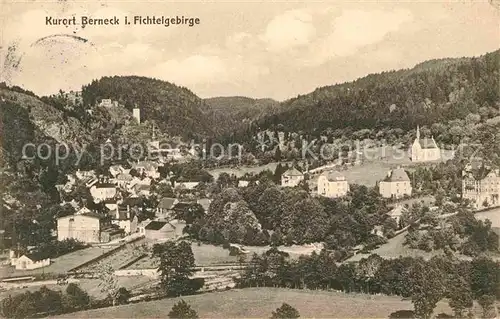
point(176, 263)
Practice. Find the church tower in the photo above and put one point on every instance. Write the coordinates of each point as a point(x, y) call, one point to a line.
point(136, 113)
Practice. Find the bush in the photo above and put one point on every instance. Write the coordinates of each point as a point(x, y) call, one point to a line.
point(285, 311)
point(182, 310)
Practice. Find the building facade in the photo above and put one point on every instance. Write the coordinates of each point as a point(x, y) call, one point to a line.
point(101, 192)
point(481, 185)
point(82, 227)
point(332, 184)
point(291, 178)
point(397, 184)
point(424, 149)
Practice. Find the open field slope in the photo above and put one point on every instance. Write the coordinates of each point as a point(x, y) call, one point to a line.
point(260, 302)
point(58, 265)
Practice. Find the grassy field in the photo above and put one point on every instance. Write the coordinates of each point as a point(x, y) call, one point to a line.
point(89, 285)
point(260, 302)
point(367, 174)
point(207, 255)
point(59, 265)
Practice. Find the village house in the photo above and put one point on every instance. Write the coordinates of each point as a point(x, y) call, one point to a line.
point(114, 170)
point(186, 185)
point(138, 181)
point(397, 212)
point(481, 185)
point(126, 215)
point(28, 261)
point(165, 208)
point(110, 233)
point(332, 184)
point(111, 204)
point(85, 174)
point(141, 227)
point(122, 180)
point(108, 103)
point(147, 168)
point(103, 191)
point(85, 227)
point(243, 183)
point(205, 203)
point(141, 190)
point(396, 185)
point(424, 149)
point(162, 230)
point(291, 178)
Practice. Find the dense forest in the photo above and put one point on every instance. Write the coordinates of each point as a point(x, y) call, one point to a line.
point(175, 109)
point(432, 92)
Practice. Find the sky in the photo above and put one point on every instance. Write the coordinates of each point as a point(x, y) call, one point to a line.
point(272, 49)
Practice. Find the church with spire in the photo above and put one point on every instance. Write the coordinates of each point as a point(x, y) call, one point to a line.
point(424, 149)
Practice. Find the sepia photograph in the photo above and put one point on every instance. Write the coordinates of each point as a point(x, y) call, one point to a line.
point(250, 159)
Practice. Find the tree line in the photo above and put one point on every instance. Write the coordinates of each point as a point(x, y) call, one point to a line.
point(425, 282)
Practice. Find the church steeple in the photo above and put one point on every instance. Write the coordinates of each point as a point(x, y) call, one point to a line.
point(418, 132)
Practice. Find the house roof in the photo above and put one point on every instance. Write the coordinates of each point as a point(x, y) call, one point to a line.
point(397, 211)
point(243, 183)
point(93, 215)
point(132, 201)
point(115, 167)
point(181, 206)
point(188, 185)
point(33, 256)
point(155, 225)
point(293, 172)
point(86, 214)
point(105, 185)
point(123, 215)
point(142, 187)
point(427, 143)
point(124, 177)
point(146, 165)
point(334, 176)
point(398, 175)
point(167, 203)
point(112, 230)
point(204, 202)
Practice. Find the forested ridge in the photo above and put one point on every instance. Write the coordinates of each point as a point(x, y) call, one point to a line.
point(433, 91)
point(175, 109)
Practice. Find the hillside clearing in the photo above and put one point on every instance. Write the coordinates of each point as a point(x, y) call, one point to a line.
point(260, 302)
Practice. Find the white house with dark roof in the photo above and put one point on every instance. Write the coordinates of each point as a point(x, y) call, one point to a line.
point(114, 170)
point(397, 184)
point(103, 191)
point(291, 178)
point(166, 206)
point(424, 149)
point(29, 262)
point(332, 184)
point(148, 168)
point(162, 230)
